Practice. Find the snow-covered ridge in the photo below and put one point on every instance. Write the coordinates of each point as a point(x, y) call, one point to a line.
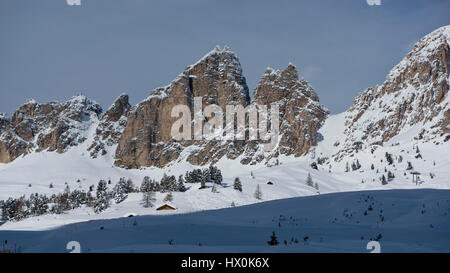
point(415, 93)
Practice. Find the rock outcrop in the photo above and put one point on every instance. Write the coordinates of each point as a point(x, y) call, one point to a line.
point(218, 79)
point(110, 127)
point(415, 93)
point(301, 114)
point(51, 126)
point(141, 136)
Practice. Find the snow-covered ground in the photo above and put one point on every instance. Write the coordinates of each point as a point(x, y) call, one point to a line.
point(289, 178)
point(401, 220)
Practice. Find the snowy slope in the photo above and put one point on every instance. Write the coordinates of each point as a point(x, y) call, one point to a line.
point(289, 178)
point(401, 220)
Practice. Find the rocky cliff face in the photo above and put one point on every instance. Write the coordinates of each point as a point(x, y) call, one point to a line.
point(413, 97)
point(147, 139)
point(51, 126)
point(110, 126)
point(141, 135)
point(217, 77)
point(301, 114)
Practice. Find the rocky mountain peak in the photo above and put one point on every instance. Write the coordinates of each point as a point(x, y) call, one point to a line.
point(49, 126)
point(120, 106)
point(110, 126)
point(414, 97)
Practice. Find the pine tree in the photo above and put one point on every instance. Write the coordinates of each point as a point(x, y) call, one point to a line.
point(90, 200)
point(316, 186)
point(214, 174)
point(273, 239)
point(148, 198)
point(347, 168)
point(389, 158)
point(77, 198)
point(410, 167)
point(39, 204)
point(102, 201)
point(168, 198)
point(390, 176)
point(146, 184)
point(130, 186)
point(309, 180)
point(180, 186)
point(383, 180)
point(121, 190)
point(237, 185)
point(258, 193)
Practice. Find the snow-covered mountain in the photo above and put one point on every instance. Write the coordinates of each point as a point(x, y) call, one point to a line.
point(397, 127)
point(413, 99)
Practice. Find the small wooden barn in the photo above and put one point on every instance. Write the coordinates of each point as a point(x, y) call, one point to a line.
point(166, 207)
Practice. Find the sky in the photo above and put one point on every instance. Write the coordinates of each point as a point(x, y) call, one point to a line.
point(51, 51)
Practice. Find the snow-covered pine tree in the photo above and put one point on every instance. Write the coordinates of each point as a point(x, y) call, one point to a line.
point(237, 185)
point(90, 200)
point(102, 201)
point(39, 204)
point(316, 186)
point(383, 180)
point(389, 158)
point(347, 168)
point(390, 176)
point(309, 180)
point(206, 175)
point(180, 185)
point(148, 198)
point(146, 184)
point(409, 167)
point(258, 193)
point(77, 198)
point(130, 186)
point(121, 190)
point(164, 183)
point(168, 198)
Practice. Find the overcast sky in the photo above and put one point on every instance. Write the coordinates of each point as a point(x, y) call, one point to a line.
point(51, 51)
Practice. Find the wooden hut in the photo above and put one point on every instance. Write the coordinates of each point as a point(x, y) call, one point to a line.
point(166, 207)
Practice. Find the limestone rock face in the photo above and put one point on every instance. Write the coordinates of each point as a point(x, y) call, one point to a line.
point(142, 136)
point(51, 126)
point(147, 139)
point(415, 93)
point(110, 126)
point(301, 114)
point(217, 77)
